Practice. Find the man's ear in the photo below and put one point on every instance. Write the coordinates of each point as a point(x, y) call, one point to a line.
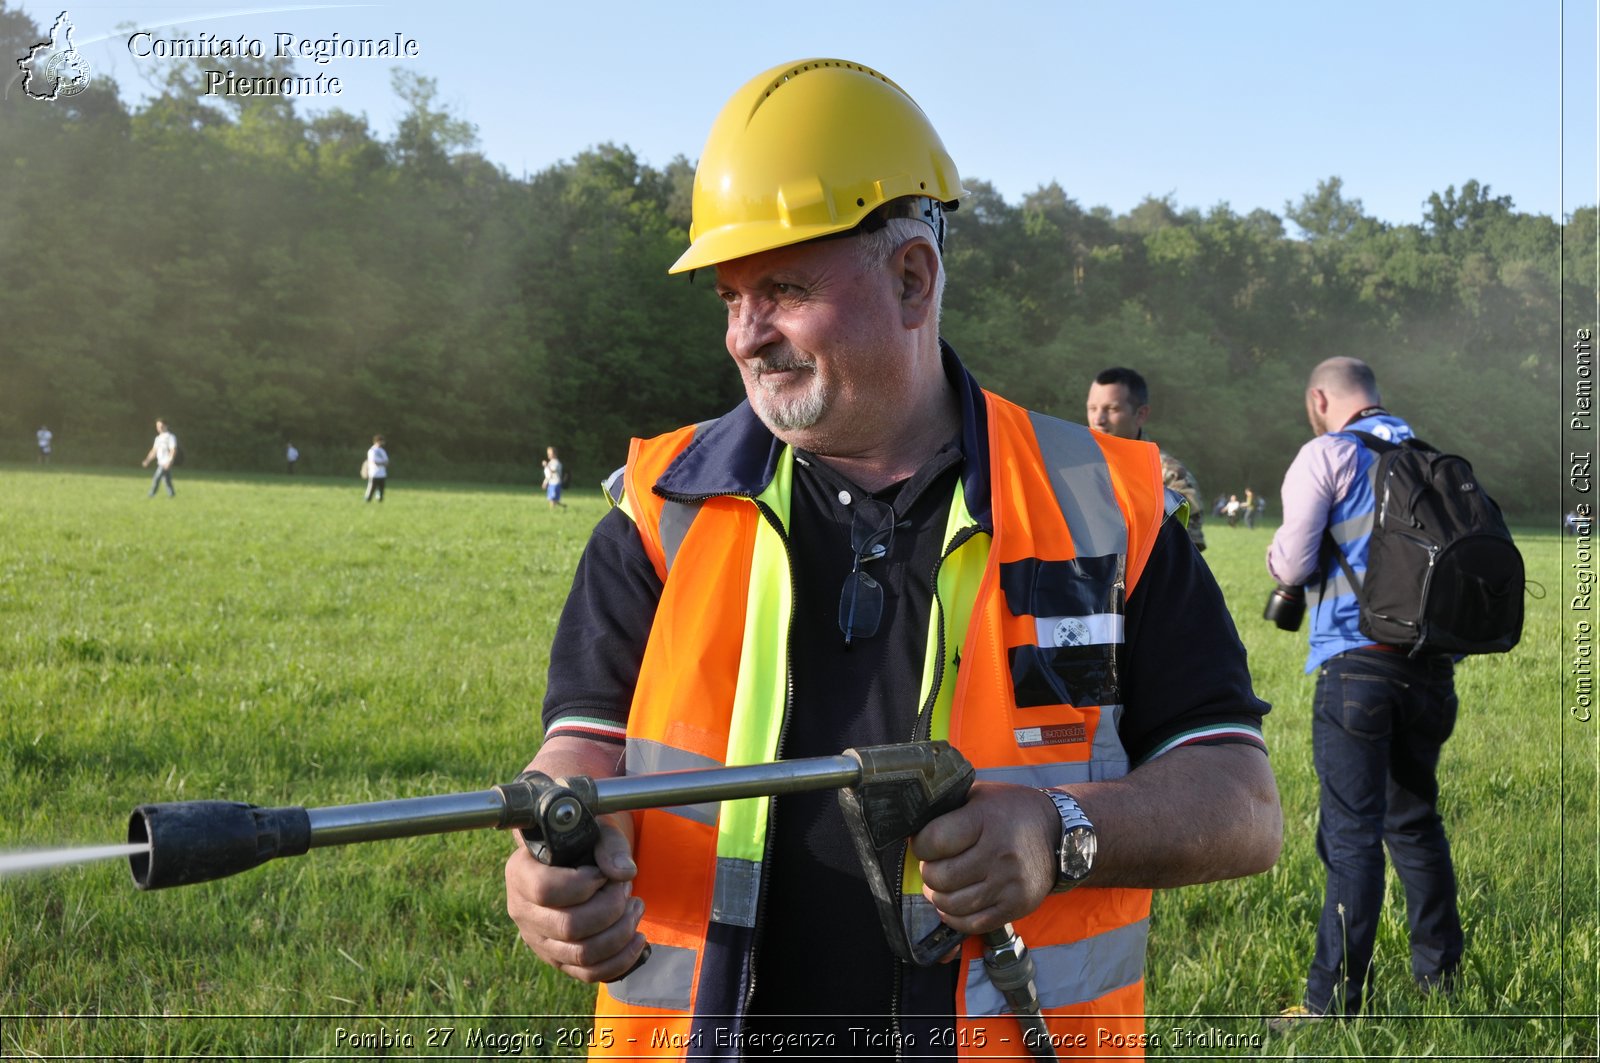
point(917, 266)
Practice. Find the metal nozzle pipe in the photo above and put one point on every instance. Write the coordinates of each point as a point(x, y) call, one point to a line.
point(197, 841)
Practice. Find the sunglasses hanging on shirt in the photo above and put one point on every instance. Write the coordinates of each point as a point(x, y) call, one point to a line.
point(861, 600)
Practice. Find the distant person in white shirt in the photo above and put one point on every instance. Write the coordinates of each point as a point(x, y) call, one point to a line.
point(291, 455)
point(554, 473)
point(162, 452)
point(44, 436)
point(377, 469)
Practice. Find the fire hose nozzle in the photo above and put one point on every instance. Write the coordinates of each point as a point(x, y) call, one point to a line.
point(196, 841)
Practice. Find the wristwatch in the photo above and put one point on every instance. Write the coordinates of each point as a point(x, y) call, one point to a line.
point(1075, 851)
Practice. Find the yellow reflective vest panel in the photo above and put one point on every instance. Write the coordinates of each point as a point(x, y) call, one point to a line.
point(1032, 608)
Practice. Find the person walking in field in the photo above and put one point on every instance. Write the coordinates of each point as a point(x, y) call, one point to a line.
point(376, 469)
point(1232, 510)
point(164, 451)
point(44, 437)
point(1379, 717)
point(291, 454)
point(554, 478)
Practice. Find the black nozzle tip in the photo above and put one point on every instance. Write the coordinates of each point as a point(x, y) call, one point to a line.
point(196, 841)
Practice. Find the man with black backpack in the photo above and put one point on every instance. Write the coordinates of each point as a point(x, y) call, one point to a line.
point(1382, 712)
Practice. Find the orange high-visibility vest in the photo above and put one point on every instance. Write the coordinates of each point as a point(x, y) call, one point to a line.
point(1033, 612)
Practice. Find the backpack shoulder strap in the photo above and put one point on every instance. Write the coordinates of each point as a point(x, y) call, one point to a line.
point(1332, 545)
point(1372, 442)
point(1380, 446)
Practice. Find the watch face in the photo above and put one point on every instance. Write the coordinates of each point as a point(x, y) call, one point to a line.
point(1077, 853)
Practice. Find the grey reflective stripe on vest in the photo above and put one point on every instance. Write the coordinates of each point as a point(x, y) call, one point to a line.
point(1074, 973)
point(675, 520)
point(1348, 531)
point(1108, 752)
point(645, 757)
point(1081, 480)
point(676, 517)
point(1338, 584)
point(738, 885)
point(666, 980)
point(1359, 526)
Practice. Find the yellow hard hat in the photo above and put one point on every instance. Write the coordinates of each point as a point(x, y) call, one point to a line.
point(809, 149)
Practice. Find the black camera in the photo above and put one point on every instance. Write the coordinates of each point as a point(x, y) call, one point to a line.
point(1286, 607)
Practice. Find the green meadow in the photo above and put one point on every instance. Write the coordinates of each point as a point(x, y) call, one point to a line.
point(277, 641)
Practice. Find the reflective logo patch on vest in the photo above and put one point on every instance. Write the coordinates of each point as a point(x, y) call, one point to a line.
point(1057, 735)
point(1099, 629)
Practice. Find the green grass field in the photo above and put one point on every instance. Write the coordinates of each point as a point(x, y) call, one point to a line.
point(279, 642)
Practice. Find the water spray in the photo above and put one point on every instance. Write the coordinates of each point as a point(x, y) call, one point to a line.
point(43, 859)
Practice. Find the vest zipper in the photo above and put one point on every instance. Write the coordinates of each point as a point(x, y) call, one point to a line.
point(894, 1007)
point(920, 730)
point(924, 723)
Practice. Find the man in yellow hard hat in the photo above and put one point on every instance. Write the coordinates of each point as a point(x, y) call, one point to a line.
point(873, 549)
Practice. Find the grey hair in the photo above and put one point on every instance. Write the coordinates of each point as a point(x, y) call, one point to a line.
point(876, 247)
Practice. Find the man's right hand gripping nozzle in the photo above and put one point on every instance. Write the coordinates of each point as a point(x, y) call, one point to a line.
point(583, 921)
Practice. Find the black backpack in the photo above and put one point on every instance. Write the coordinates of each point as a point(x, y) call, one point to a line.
point(1443, 575)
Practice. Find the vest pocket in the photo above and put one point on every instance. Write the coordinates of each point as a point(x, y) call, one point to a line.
point(1064, 675)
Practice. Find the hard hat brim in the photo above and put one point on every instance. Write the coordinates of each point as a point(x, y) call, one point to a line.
point(734, 242)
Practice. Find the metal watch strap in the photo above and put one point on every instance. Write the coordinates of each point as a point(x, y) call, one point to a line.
point(1072, 820)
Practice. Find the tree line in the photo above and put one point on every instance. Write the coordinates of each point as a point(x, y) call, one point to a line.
point(256, 276)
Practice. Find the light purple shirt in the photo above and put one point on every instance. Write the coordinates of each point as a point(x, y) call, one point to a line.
point(1317, 478)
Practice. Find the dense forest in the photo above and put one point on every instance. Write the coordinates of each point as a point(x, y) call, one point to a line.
point(255, 275)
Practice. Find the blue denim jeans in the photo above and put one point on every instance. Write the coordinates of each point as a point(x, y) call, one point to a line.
point(1378, 723)
point(161, 474)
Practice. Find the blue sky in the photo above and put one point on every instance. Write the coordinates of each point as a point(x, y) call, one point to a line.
point(1248, 103)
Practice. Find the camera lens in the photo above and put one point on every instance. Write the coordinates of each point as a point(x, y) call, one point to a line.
point(1286, 607)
